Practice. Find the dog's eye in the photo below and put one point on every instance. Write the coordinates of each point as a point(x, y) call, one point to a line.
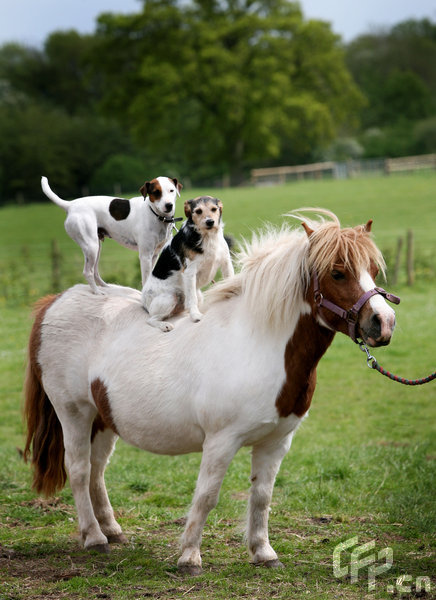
point(338, 275)
point(198, 211)
point(214, 209)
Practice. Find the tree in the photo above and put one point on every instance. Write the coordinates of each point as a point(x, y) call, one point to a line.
point(59, 75)
point(225, 83)
point(396, 70)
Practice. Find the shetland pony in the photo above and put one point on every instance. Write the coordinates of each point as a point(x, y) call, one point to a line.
point(243, 376)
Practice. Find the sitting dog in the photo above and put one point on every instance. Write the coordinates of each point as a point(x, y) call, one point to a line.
point(143, 223)
point(188, 263)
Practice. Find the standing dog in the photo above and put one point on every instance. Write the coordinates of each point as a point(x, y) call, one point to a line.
point(143, 223)
point(188, 263)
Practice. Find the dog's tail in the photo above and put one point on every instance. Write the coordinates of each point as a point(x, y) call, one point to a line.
point(50, 194)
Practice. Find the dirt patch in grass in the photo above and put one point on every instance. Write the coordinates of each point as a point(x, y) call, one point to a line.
point(41, 568)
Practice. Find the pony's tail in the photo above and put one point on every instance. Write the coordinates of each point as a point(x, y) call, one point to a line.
point(44, 440)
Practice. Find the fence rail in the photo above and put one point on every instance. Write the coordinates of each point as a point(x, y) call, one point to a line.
point(342, 170)
point(410, 163)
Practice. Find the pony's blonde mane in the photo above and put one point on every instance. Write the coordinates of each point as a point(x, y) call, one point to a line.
point(275, 267)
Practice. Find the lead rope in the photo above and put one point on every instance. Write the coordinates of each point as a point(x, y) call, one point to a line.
point(373, 364)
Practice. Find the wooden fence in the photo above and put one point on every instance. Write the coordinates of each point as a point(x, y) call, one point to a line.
point(410, 163)
point(337, 170)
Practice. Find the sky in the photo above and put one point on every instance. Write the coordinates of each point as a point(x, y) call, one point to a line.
point(29, 22)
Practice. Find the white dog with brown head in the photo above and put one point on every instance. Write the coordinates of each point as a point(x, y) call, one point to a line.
point(143, 223)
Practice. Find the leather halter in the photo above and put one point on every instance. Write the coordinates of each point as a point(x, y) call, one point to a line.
point(350, 316)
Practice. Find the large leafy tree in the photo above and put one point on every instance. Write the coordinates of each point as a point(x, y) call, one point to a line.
point(214, 86)
point(396, 70)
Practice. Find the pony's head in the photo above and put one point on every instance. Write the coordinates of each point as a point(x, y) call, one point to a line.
point(284, 273)
point(343, 264)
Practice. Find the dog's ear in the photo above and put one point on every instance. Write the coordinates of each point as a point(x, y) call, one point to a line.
point(188, 209)
point(220, 206)
point(145, 188)
point(178, 186)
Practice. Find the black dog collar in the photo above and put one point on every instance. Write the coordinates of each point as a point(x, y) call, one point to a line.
point(166, 219)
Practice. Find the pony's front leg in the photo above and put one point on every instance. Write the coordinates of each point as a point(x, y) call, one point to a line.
point(217, 454)
point(102, 447)
point(265, 463)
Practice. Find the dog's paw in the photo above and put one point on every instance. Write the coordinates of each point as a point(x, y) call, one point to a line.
point(195, 316)
point(98, 291)
point(166, 326)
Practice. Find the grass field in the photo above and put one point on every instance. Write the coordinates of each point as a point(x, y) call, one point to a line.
point(362, 464)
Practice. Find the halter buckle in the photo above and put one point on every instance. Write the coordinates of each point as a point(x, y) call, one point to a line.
point(318, 298)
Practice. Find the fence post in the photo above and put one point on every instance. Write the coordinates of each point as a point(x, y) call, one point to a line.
point(410, 270)
point(397, 261)
point(55, 266)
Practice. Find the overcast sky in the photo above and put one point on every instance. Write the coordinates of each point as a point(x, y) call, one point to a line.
point(30, 21)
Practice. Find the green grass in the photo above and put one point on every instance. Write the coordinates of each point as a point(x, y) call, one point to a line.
point(362, 464)
point(396, 204)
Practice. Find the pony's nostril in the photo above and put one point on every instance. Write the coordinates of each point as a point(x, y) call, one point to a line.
point(375, 325)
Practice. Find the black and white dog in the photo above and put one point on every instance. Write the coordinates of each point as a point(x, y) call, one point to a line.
point(188, 263)
point(143, 223)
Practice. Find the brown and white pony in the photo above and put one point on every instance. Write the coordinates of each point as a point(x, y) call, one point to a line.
point(243, 376)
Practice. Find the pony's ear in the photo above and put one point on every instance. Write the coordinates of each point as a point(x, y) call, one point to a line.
point(368, 226)
point(178, 186)
point(188, 209)
point(307, 229)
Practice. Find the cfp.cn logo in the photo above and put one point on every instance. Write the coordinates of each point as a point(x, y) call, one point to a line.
point(375, 564)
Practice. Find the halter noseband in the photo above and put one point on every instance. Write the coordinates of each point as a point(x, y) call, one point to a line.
point(350, 316)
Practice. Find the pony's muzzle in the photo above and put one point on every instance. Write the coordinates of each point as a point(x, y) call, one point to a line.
point(378, 328)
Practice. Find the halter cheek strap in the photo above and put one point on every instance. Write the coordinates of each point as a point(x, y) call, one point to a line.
point(350, 316)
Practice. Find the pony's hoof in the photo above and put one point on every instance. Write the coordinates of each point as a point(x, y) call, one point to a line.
point(270, 564)
point(117, 538)
point(100, 548)
point(192, 570)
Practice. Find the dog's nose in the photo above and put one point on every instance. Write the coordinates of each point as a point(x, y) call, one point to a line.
point(210, 223)
point(168, 207)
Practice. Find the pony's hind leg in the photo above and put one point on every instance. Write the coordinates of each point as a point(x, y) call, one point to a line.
point(217, 454)
point(102, 447)
point(76, 425)
point(265, 463)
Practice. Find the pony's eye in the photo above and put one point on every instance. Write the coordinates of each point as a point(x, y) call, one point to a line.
point(338, 275)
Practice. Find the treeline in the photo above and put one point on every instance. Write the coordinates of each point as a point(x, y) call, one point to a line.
point(205, 91)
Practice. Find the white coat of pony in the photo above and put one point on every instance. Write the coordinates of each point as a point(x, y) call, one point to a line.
point(210, 386)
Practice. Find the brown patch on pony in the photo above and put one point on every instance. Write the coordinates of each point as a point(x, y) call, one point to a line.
point(302, 354)
point(101, 399)
point(44, 431)
point(97, 426)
